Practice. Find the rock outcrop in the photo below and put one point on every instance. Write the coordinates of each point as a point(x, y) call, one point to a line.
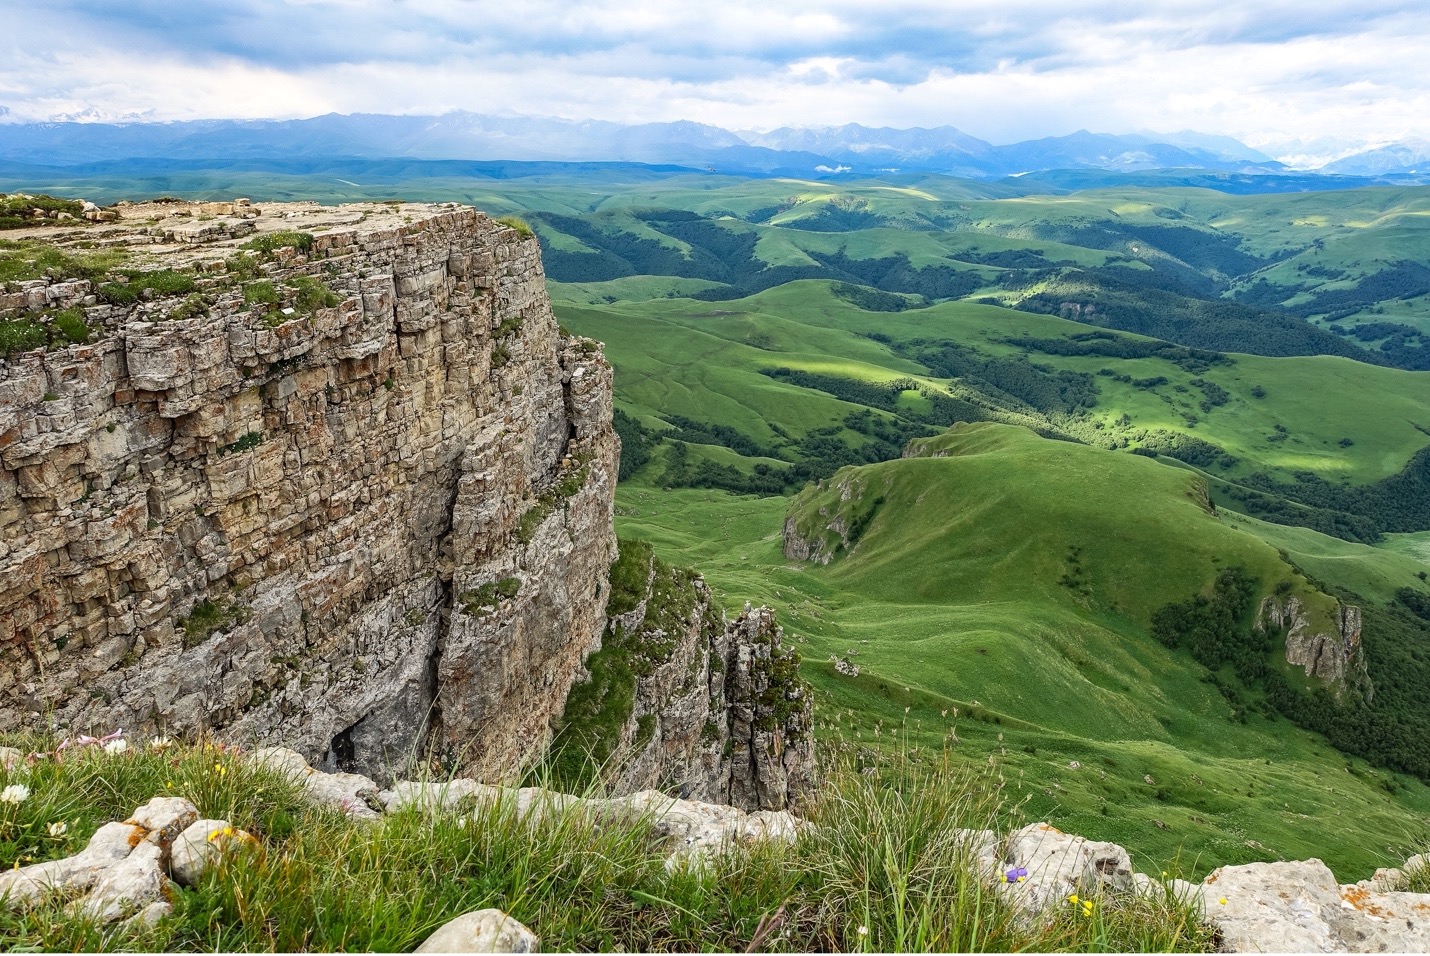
point(1334, 656)
point(687, 829)
point(351, 491)
point(1300, 908)
point(1290, 907)
point(833, 527)
point(718, 712)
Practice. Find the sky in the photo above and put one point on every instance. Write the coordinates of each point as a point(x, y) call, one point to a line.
point(1297, 78)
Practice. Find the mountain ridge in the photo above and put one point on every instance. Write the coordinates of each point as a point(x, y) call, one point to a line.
point(851, 148)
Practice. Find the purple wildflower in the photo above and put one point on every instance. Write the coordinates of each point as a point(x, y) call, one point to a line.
point(1017, 874)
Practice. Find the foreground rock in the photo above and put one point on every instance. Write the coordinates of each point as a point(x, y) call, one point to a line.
point(1052, 865)
point(1254, 908)
point(1299, 907)
point(484, 931)
point(200, 847)
point(688, 829)
point(122, 871)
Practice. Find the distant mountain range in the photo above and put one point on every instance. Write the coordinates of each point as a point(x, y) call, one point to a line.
point(830, 151)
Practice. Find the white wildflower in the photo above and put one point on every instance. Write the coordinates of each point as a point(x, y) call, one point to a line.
point(863, 931)
point(58, 829)
point(160, 743)
point(15, 793)
point(116, 746)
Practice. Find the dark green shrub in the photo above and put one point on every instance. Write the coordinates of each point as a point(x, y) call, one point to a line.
point(191, 308)
point(261, 292)
point(312, 295)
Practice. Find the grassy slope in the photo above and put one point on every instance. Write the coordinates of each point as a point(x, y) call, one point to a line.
point(1068, 682)
point(702, 360)
point(952, 605)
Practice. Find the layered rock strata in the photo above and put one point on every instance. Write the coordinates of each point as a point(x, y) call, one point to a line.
point(719, 713)
point(353, 492)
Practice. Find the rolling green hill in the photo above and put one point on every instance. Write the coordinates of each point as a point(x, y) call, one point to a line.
point(1291, 438)
point(1004, 593)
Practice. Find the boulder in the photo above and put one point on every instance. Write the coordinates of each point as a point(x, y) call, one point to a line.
point(110, 844)
point(352, 793)
point(482, 931)
point(128, 886)
point(164, 818)
point(200, 847)
point(439, 795)
point(1059, 865)
point(1299, 907)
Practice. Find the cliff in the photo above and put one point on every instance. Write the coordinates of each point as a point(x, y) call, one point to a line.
point(350, 490)
point(681, 698)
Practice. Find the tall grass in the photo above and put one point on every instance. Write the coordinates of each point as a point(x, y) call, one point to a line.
point(883, 869)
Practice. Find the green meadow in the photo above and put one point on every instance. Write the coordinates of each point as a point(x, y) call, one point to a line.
point(953, 611)
point(1001, 595)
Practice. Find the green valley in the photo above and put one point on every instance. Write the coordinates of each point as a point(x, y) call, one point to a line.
point(1138, 429)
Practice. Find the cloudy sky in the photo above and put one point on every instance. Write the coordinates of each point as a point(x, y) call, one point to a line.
point(1270, 73)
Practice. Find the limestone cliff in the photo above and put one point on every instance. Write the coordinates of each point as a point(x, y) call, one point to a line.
point(350, 491)
point(684, 700)
point(1335, 656)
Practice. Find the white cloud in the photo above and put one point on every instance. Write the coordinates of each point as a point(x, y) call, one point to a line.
point(1270, 73)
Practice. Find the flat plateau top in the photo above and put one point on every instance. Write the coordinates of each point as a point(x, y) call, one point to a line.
point(177, 232)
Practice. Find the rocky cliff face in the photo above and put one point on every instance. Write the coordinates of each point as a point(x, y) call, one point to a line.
point(692, 702)
point(351, 491)
point(1332, 655)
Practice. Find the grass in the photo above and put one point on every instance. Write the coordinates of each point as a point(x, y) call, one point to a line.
point(522, 227)
point(273, 241)
point(952, 608)
point(15, 210)
point(304, 295)
point(883, 871)
point(702, 360)
point(209, 617)
point(135, 283)
point(28, 259)
point(1418, 880)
